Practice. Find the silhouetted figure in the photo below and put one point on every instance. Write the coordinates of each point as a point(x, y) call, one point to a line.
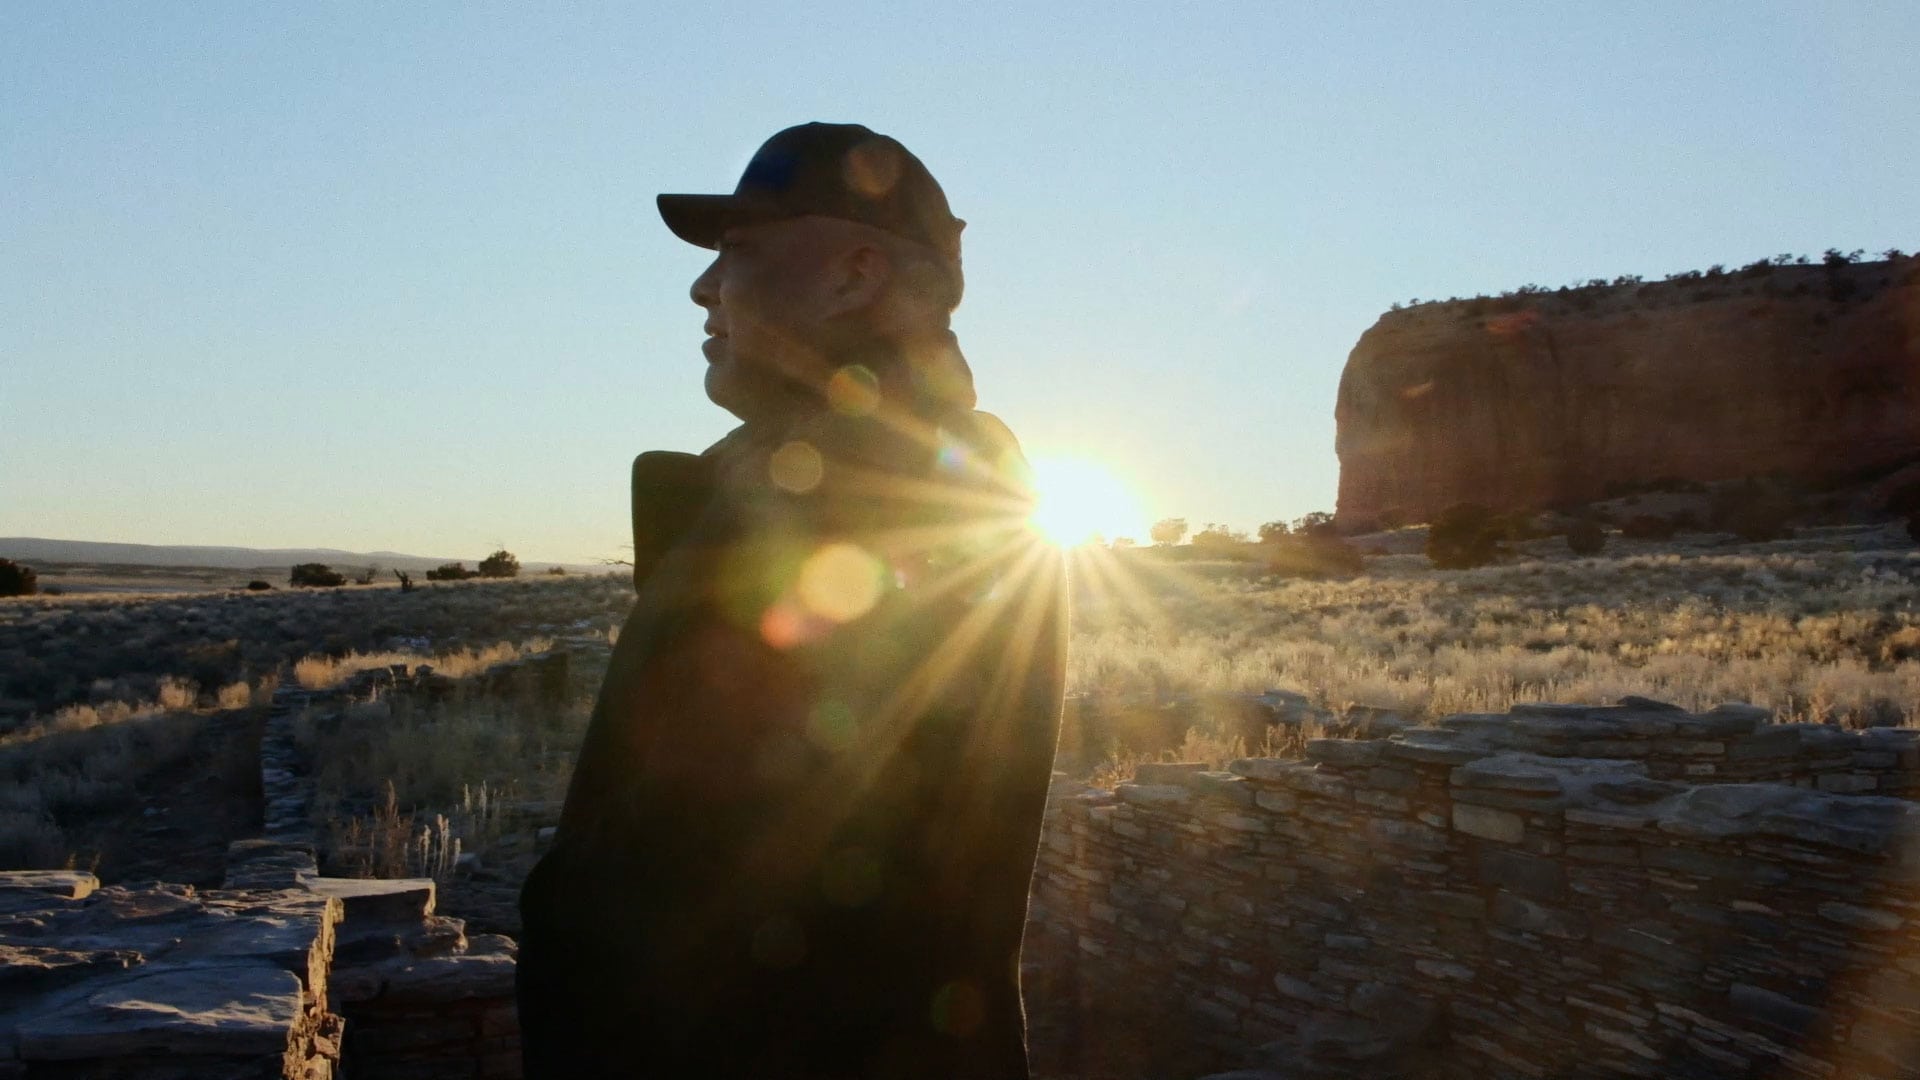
point(800, 833)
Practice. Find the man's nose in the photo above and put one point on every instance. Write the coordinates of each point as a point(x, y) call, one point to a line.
point(705, 290)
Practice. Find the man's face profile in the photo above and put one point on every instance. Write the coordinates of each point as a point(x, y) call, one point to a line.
point(776, 295)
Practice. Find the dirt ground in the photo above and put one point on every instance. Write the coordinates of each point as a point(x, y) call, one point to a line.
point(184, 817)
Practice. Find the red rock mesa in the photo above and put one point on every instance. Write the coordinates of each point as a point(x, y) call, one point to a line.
point(1550, 397)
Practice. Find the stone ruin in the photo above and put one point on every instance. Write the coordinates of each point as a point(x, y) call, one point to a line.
point(282, 972)
point(1558, 891)
point(259, 979)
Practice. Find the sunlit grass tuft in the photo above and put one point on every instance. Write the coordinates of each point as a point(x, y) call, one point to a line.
point(326, 672)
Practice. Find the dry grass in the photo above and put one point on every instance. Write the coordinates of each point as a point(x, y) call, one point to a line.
point(1828, 635)
point(94, 649)
point(1204, 744)
point(82, 763)
point(404, 786)
point(90, 759)
point(390, 842)
point(1812, 631)
point(327, 672)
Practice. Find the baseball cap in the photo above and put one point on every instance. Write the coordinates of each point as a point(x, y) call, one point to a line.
point(832, 170)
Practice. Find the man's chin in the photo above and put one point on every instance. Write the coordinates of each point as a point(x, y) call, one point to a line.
point(750, 398)
point(723, 389)
point(753, 394)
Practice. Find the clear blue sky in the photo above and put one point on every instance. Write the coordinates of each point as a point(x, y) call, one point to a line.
point(389, 275)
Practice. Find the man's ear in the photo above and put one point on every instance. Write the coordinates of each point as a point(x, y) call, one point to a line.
point(863, 273)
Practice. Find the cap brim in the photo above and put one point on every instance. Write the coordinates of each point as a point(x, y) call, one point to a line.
point(701, 220)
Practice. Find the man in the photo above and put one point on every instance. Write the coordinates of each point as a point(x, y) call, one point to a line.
point(799, 835)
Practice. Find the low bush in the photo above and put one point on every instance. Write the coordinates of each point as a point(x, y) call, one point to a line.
point(1753, 512)
point(1465, 536)
point(1312, 556)
point(1586, 537)
point(452, 571)
point(500, 564)
point(17, 580)
point(1219, 540)
point(315, 575)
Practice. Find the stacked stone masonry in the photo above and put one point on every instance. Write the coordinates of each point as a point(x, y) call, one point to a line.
point(283, 973)
point(420, 1000)
point(164, 983)
point(1558, 892)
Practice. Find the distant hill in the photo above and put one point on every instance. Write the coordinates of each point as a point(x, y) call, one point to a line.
point(30, 549)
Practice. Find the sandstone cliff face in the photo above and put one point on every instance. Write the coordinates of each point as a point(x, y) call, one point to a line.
point(1533, 400)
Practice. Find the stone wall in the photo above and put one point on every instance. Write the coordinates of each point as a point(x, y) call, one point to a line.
point(163, 983)
point(1557, 892)
point(421, 1000)
point(283, 975)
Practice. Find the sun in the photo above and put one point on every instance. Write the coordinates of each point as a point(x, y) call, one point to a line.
point(1079, 500)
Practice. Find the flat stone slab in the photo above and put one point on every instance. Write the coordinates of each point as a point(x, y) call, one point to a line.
point(378, 899)
point(1153, 794)
point(162, 970)
point(269, 864)
point(1269, 770)
point(63, 884)
point(452, 978)
point(1346, 753)
point(1435, 747)
point(28, 968)
point(1167, 772)
point(240, 1009)
point(1508, 772)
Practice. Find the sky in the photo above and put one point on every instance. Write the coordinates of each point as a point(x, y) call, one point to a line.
point(383, 276)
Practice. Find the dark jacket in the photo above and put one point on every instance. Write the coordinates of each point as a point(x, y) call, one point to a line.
point(799, 835)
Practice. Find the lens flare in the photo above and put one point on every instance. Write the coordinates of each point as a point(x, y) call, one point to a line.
point(840, 582)
point(1079, 500)
point(796, 467)
point(854, 391)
